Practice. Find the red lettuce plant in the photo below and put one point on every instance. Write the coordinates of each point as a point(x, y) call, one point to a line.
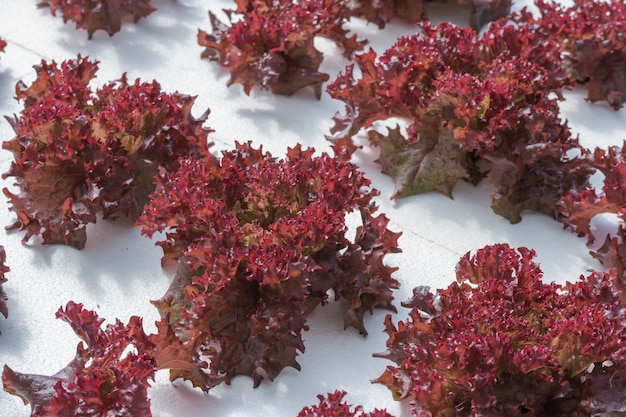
point(500, 341)
point(578, 208)
point(108, 376)
point(270, 43)
point(79, 153)
point(333, 405)
point(93, 15)
point(383, 11)
point(476, 106)
point(3, 270)
point(261, 242)
point(592, 35)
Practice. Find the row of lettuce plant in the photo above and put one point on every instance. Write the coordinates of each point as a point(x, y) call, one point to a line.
point(477, 106)
point(499, 340)
point(269, 43)
point(108, 15)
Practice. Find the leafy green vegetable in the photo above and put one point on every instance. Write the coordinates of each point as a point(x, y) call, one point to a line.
point(261, 241)
point(500, 341)
point(78, 153)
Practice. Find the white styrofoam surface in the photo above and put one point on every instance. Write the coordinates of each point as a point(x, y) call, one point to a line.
point(119, 271)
